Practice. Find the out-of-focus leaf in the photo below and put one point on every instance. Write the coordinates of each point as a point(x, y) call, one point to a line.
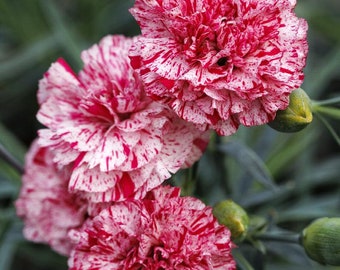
point(267, 196)
point(7, 190)
point(286, 266)
point(285, 151)
point(241, 261)
point(330, 128)
point(8, 246)
point(15, 149)
point(12, 144)
point(8, 173)
point(249, 161)
point(327, 68)
point(328, 25)
point(311, 208)
point(211, 177)
point(27, 58)
point(292, 253)
point(66, 36)
point(326, 172)
point(116, 18)
point(40, 257)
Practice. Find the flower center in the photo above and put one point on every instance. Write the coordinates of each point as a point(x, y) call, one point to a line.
point(222, 61)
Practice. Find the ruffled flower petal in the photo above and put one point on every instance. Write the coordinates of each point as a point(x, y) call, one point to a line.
point(162, 231)
point(44, 203)
point(119, 142)
point(219, 64)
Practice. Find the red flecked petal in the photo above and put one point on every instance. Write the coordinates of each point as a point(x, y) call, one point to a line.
point(118, 141)
point(94, 180)
point(161, 230)
point(220, 64)
point(59, 80)
point(44, 203)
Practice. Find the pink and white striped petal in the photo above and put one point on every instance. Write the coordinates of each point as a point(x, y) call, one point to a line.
point(254, 51)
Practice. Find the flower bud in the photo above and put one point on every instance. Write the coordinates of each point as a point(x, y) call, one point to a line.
point(296, 116)
point(321, 240)
point(233, 216)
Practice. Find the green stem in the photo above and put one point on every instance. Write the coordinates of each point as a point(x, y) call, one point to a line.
point(188, 186)
point(8, 157)
point(285, 238)
point(331, 101)
point(242, 262)
point(329, 111)
point(329, 127)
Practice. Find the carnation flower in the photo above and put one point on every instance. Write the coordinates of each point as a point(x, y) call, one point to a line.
point(120, 143)
point(162, 231)
point(44, 204)
point(217, 63)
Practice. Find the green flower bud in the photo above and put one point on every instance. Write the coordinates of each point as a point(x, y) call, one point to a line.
point(296, 116)
point(233, 216)
point(321, 240)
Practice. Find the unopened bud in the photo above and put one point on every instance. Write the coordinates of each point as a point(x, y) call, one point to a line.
point(296, 116)
point(321, 241)
point(233, 216)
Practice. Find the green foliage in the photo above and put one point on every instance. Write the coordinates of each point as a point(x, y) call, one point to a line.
point(285, 180)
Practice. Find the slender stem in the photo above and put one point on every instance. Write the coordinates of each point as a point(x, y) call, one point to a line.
point(190, 180)
point(286, 238)
point(330, 101)
point(8, 157)
point(329, 111)
point(329, 127)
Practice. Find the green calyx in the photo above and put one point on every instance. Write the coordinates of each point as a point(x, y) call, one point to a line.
point(234, 217)
point(321, 241)
point(296, 116)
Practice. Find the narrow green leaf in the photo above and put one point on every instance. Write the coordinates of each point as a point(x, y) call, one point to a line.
point(7, 190)
point(9, 245)
point(327, 67)
point(249, 161)
point(66, 37)
point(329, 127)
point(267, 196)
point(311, 208)
point(27, 58)
point(8, 173)
point(327, 102)
point(242, 262)
point(325, 172)
point(289, 147)
point(12, 144)
point(10, 159)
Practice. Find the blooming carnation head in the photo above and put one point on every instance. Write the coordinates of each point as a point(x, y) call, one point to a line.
point(120, 143)
point(162, 231)
point(44, 204)
point(220, 63)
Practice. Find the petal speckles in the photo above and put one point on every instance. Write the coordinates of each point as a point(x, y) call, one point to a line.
point(161, 231)
point(119, 142)
point(222, 52)
point(44, 203)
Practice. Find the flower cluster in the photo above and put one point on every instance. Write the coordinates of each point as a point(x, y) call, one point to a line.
point(143, 108)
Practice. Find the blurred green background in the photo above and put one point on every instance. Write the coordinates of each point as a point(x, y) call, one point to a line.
point(304, 167)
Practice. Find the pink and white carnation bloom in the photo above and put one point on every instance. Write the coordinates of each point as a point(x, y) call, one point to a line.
point(162, 231)
point(48, 210)
point(120, 143)
point(218, 63)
